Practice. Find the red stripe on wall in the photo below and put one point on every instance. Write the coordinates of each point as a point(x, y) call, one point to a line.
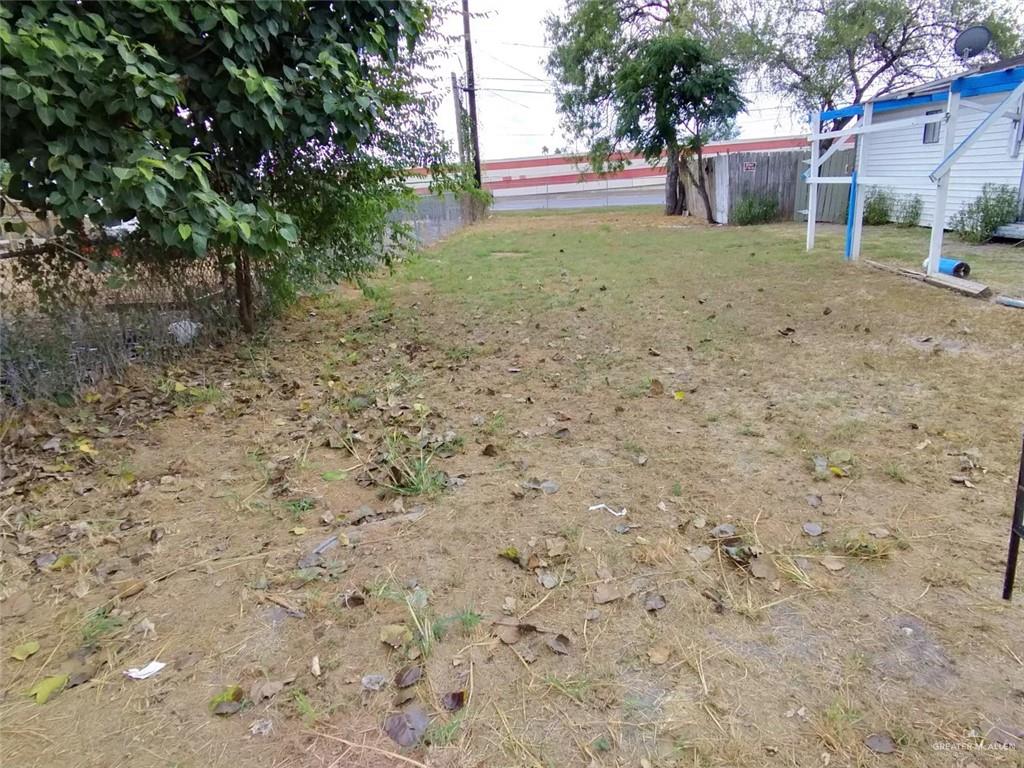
point(574, 178)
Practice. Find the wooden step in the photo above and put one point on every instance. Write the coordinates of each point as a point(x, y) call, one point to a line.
point(958, 284)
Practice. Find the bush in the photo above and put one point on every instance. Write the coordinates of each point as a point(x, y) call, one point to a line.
point(997, 205)
point(878, 207)
point(907, 211)
point(755, 209)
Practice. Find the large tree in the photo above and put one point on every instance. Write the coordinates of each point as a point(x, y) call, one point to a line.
point(174, 112)
point(821, 54)
point(627, 75)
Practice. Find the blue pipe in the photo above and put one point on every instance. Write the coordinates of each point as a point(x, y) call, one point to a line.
point(954, 267)
point(850, 211)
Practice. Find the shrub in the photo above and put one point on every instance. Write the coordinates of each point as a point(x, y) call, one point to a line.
point(977, 221)
point(878, 207)
point(755, 209)
point(907, 211)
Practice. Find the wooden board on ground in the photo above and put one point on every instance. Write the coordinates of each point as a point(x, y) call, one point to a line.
point(958, 284)
point(896, 270)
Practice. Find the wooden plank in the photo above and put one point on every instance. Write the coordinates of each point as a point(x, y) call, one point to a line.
point(896, 270)
point(958, 284)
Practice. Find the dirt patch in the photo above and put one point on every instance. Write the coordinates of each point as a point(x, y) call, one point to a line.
point(795, 570)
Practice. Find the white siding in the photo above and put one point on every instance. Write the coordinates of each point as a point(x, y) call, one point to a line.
point(901, 153)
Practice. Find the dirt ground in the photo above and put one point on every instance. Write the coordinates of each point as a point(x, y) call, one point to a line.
point(816, 462)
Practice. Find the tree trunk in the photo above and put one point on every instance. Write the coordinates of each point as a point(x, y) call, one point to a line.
point(675, 191)
point(243, 289)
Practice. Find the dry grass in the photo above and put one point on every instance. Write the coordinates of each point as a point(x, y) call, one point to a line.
point(858, 630)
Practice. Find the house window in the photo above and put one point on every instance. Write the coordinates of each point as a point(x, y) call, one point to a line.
point(931, 130)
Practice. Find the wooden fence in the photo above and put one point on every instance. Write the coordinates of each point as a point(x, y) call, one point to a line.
point(833, 199)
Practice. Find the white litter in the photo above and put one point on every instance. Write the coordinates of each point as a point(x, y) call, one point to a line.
point(621, 513)
point(146, 672)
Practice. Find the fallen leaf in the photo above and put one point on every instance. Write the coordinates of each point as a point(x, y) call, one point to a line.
point(657, 389)
point(962, 480)
point(395, 635)
point(833, 563)
point(679, 394)
point(373, 682)
point(606, 593)
point(880, 533)
point(813, 529)
point(47, 687)
point(228, 701)
point(508, 633)
point(763, 568)
point(701, 554)
point(332, 475)
point(267, 689)
point(298, 530)
point(561, 433)
point(654, 602)
point(353, 598)
point(63, 562)
point(26, 649)
point(549, 486)
point(453, 701)
point(130, 588)
point(557, 546)
point(406, 728)
point(261, 727)
point(558, 643)
point(838, 471)
point(409, 675)
point(659, 654)
point(723, 531)
point(314, 666)
point(881, 743)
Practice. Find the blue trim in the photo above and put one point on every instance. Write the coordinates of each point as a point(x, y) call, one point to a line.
point(971, 85)
point(990, 82)
point(851, 210)
point(913, 101)
point(850, 111)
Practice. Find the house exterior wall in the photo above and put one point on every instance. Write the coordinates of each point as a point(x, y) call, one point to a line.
point(902, 155)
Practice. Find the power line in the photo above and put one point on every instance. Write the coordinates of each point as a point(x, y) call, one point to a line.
point(514, 90)
point(517, 69)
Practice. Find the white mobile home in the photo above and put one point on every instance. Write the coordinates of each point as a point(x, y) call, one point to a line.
point(942, 140)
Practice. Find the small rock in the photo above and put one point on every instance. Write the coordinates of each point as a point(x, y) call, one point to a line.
point(813, 529)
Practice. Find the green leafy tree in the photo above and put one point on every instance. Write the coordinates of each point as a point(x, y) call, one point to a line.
point(625, 76)
point(173, 112)
point(628, 76)
point(825, 54)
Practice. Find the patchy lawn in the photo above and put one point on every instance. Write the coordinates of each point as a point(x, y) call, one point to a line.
point(817, 463)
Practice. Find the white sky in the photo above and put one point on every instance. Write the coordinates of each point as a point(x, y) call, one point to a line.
point(508, 54)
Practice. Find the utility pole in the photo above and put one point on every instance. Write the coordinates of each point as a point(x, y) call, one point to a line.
point(460, 119)
point(474, 138)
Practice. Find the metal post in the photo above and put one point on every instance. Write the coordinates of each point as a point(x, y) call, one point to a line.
point(1016, 532)
point(812, 184)
point(857, 191)
point(942, 186)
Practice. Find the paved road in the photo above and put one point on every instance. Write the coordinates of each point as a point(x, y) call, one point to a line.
point(598, 198)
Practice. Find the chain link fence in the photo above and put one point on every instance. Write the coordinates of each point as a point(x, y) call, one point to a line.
point(63, 331)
